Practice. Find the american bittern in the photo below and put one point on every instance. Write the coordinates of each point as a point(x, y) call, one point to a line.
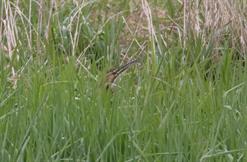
point(113, 74)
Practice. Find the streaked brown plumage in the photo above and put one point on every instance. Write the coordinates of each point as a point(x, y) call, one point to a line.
point(113, 74)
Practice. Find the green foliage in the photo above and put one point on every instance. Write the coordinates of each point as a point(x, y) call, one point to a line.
point(186, 107)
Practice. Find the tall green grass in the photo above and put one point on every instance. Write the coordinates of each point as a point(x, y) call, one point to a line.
point(180, 104)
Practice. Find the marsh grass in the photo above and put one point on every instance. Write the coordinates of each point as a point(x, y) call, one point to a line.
point(185, 102)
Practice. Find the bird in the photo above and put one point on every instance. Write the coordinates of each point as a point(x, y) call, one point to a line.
point(113, 74)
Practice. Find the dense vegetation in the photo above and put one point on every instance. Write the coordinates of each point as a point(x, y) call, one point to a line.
point(185, 100)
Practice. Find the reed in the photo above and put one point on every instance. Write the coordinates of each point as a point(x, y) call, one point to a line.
point(186, 102)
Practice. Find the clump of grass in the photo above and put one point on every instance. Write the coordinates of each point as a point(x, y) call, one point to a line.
point(181, 104)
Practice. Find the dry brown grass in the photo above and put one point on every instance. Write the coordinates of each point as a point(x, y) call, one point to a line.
point(213, 21)
point(217, 21)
